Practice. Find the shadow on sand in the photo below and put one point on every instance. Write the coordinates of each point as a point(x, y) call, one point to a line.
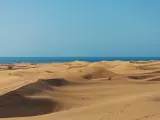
point(15, 105)
point(18, 104)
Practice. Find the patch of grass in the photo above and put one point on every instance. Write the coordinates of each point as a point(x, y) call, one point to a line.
point(10, 67)
point(110, 78)
point(88, 76)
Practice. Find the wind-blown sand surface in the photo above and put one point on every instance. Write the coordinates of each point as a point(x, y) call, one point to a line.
point(107, 90)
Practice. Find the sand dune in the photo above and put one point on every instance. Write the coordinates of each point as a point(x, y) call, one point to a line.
point(102, 64)
point(114, 90)
point(86, 73)
point(124, 66)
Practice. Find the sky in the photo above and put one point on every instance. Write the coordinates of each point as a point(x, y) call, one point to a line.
point(100, 28)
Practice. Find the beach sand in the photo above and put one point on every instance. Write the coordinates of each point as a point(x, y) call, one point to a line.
point(107, 90)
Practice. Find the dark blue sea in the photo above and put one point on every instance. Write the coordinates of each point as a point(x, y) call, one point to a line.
point(4, 60)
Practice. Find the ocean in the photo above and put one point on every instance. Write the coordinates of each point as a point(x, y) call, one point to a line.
point(5, 60)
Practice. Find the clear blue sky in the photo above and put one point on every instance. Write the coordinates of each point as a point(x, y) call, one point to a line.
point(80, 28)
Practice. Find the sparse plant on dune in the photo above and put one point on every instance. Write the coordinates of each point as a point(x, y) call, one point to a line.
point(110, 78)
point(10, 67)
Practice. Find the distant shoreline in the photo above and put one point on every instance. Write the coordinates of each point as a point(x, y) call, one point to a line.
point(7, 60)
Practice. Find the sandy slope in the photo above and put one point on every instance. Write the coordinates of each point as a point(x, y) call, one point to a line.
point(81, 91)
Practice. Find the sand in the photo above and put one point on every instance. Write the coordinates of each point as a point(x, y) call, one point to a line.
point(107, 90)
